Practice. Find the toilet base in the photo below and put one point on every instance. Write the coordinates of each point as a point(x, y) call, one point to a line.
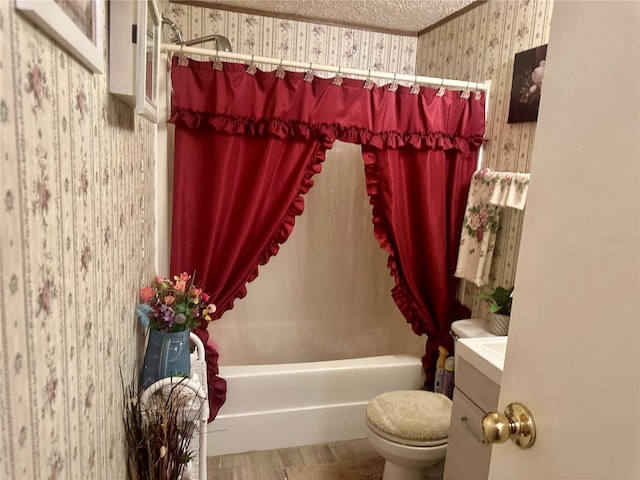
point(435, 472)
point(394, 471)
point(404, 462)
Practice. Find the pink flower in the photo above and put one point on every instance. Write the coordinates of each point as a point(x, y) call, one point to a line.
point(211, 308)
point(146, 294)
point(168, 300)
point(195, 294)
point(159, 279)
point(205, 297)
point(183, 276)
point(483, 217)
point(180, 285)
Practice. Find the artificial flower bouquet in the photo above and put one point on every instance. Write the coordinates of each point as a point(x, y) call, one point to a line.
point(173, 305)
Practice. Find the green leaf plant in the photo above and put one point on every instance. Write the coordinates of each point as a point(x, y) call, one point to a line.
point(499, 300)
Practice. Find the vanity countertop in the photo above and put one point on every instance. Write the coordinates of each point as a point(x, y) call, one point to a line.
point(484, 353)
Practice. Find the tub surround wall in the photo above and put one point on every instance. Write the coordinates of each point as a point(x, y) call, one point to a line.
point(476, 46)
point(326, 295)
point(77, 217)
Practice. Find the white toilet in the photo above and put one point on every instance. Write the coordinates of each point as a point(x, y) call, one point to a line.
point(409, 428)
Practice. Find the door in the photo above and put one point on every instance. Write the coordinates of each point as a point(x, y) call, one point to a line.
point(572, 355)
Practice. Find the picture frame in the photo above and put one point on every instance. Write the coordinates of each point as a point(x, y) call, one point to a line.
point(74, 24)
point(526, 86)
point(148, 59)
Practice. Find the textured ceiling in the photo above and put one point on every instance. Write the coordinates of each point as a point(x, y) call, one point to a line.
point(407, 16)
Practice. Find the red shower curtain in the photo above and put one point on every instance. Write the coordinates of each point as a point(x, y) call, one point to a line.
point(235, 199)
point(247, 147)
point(418, 199)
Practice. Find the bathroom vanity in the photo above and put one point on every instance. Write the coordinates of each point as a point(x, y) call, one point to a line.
point(479, 363)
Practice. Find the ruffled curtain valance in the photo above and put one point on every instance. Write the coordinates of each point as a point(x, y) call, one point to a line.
point(234, 102)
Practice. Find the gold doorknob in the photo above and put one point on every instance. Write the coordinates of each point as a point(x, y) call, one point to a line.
point(515, 423)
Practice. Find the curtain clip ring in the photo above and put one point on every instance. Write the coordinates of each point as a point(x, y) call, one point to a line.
point(182, 60)
point(466, 93)
point(441, 90)
point(393, 86)
point(251, 68)
point(415, 89)
point(308, 76)
point(217, 64)
point(337, 80)
point(478, 92)
point(280, 73)
point(368, 83)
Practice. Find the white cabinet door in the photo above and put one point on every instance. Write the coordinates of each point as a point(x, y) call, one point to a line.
point(572, 356)
point(467, 457)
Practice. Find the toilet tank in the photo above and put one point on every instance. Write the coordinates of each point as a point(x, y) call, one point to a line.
point(470, 328)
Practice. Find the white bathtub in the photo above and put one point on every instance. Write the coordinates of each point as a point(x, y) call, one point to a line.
point(279, 406)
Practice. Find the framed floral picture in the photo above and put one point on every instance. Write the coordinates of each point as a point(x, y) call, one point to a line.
point(74, 24)
point(526, 88)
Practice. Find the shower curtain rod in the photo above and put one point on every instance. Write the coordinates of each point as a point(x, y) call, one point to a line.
point(414, 79)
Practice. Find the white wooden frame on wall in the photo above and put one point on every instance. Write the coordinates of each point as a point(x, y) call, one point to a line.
point(148, 59)
point(56, 22)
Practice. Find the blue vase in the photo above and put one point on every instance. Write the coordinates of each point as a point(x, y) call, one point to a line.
point(167, 355)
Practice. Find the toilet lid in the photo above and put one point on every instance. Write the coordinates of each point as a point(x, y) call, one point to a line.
point(411, 417)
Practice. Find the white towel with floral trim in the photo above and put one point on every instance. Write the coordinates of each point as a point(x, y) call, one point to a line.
point(489, 191)
point(510, 189)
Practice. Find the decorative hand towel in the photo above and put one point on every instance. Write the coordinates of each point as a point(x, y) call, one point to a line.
point(480, 224)
point(510, 189)
point(488, 192)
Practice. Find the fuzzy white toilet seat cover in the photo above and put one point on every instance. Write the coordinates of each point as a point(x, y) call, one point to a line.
point(414, 417)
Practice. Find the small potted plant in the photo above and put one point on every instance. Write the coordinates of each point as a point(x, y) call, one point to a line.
point(499, 300)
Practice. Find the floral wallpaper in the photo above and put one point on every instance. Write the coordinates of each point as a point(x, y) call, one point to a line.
point(77, 213)
point(480, 45)
point(299, 41)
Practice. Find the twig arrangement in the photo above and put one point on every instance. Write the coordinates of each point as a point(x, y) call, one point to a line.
point(159, 432)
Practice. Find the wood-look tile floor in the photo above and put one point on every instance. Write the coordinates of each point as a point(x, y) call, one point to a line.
point(270, 464)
